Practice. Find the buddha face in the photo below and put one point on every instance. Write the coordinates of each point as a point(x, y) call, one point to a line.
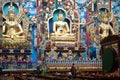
point(11, 15)
point(105, 18)
point(60, 17)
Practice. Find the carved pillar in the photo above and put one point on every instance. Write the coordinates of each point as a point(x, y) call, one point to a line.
point(110, 4)
point(74, 4)
point(1, 22)
point(1, 19)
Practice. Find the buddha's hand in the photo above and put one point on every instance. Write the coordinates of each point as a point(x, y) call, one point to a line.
point(13, 36)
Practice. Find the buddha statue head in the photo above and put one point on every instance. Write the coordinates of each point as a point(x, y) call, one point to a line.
point(60, 16)
point(11, 12)
point(105, 17)
point(11, 15)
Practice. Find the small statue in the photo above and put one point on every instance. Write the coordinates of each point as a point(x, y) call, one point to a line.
point(105, 28)
point(70, 55)
point(11, 28)
point(60, 27)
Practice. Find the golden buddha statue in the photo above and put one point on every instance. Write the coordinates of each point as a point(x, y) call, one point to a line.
point(60, 27)
point(11, 28)
point(61, 30)
point(105, 28)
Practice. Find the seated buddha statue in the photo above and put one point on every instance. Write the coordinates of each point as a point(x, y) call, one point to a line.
point(60, 27)
point(105, 28)
point(11, 28)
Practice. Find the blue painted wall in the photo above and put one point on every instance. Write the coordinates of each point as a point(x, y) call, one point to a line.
point(34, 50)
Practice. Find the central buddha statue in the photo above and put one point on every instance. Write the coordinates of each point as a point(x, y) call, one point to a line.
point(61, 31)
point(11, 28)
point(60, 27)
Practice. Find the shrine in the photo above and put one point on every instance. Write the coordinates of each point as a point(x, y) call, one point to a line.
point(59, 39)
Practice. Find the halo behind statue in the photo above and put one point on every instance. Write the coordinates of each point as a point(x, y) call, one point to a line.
point(103, 10)
point(10, 5)
point(58, 11)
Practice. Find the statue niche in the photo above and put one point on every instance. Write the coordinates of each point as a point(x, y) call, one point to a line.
point(60, 26)
point(12, 30)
